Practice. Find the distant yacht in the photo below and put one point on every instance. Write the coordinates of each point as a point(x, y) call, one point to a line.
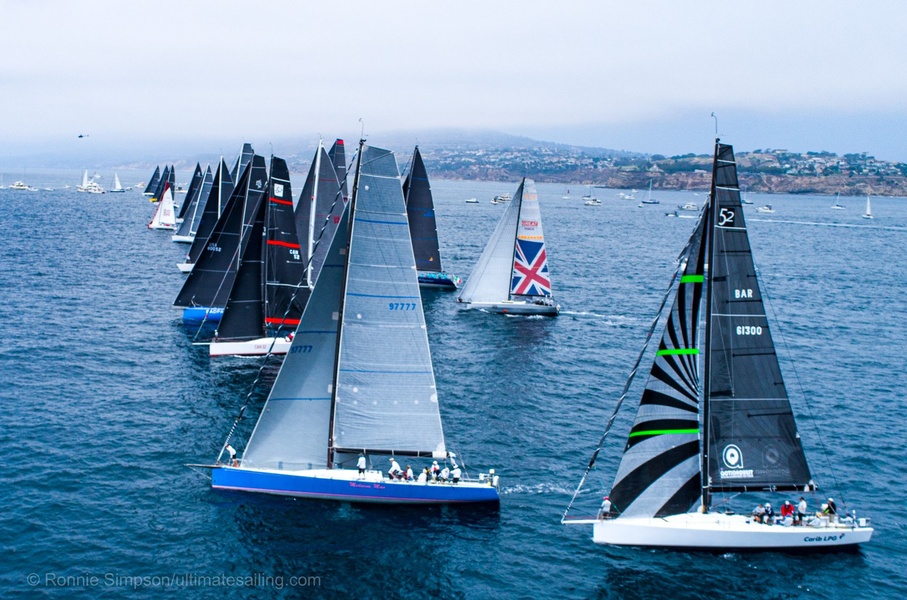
point(837, 205)
point(767, 209)
point(868, 213)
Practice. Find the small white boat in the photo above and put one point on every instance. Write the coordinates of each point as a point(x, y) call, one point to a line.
point(766, 209)
point(868, 213)
point(21, 186)
point(691, 206)
point(117, 187)
point(501, 199)
point(472, 201)
point(593, 202)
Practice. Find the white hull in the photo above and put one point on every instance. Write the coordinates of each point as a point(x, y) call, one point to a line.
point(510, 307)
point(182, 239)
point(258, 347)
point(163, 227)
point(185, 267)
point(715, 531)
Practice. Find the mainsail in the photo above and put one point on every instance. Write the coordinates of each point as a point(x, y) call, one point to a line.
point(318, 208)
point(244, 158)
point(338, 158)
point(192, 192)
point(530, 277)
point(384, 401)
point(420, 210)
point(196, 206)
point(152, 184)
point(753, 441)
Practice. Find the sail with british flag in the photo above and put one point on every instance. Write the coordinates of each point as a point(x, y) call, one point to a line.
point(512, 274)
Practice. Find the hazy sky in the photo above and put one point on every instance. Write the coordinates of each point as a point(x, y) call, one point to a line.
point(635, 75)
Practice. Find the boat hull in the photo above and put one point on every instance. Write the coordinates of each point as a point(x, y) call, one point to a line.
point(258, 347)
point(185, 267)
point(197, 314)
point(715, 531)
point(345, 485)
point(182, 239)
point(514, 308)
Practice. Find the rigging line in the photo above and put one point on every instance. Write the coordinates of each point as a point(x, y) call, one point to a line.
point(264, 362)
point(626, 389)
point(766, 299)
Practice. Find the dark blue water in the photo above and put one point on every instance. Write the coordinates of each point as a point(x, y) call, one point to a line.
point(105, 400)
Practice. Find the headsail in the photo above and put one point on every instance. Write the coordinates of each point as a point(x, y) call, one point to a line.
point(221, 190)
point(338, 158)
point(192, 193)
point(659, 471)
point(753, 438)
point(244, 158)
point(152, 183)
point(319, 206)
point(196, 206)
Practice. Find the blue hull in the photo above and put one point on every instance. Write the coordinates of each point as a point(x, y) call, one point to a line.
point(197, 314)
point(383, 492)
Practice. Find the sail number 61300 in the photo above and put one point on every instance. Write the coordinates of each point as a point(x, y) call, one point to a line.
point(749, 330)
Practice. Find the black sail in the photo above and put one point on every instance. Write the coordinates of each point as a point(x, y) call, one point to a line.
point(420, 211)
point(244, 158)
point(192, 193)
point(196, 205)
point(211, 279)
point(338, 159)
point(285, 290)
point(659, 473)
point(753, 442)
point(318, 213)
point(221, 190)
point(152, 184)
point(243, 317)
point(159, 188)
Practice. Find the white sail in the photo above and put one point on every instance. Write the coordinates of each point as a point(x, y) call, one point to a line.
point(116, 183)
point(386, 397)
point(491, 277)
point(165, 215)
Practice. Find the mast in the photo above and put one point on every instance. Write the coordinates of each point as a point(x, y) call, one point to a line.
point(706, 384)
point(346, 271)
point(311, 233)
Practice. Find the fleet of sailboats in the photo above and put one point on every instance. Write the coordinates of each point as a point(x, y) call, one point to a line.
point(331, 281)
point(732, 431)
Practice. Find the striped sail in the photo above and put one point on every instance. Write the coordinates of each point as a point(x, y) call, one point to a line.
point(659, 473)
point(292, 430)
point(385, 399)
point(753, 438)
point(491, 278)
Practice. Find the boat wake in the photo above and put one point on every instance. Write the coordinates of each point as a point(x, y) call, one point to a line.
point(844, 225)
point(539, 488)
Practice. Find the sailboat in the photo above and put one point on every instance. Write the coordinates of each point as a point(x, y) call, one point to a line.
point(117, 187)
point(511, 275)
point(89, 186)
point(339, 394)
point(192, 193)
point(648, 199)
point(164, 215)
point(152, 184)
point(837, 205)
point(423, 228)
point(731, 432)
point(868, 213)
point(269, 292)
point(204, 293)
point(221, 190)
point(196, 201)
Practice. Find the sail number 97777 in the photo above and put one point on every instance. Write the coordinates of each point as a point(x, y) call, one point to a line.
point(401, 306)
point(749, 330)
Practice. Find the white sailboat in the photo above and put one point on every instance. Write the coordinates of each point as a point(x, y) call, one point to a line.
point(868, 213)
point(164, 215)
point(511, 275)
point(89, 186)
point(117, 188)
point(339, 394)
point(731, 432)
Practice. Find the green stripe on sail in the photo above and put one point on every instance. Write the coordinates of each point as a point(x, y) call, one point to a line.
point(692, 279)
point(669, 351)
point(666, 432)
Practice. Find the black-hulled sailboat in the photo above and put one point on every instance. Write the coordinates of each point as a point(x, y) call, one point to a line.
point(269, 292)
point(152, 183)
point(420, 209)
point(733, 431)
point(339, 393)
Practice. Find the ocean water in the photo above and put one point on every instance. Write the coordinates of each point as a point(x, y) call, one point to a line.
point(106, 400)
